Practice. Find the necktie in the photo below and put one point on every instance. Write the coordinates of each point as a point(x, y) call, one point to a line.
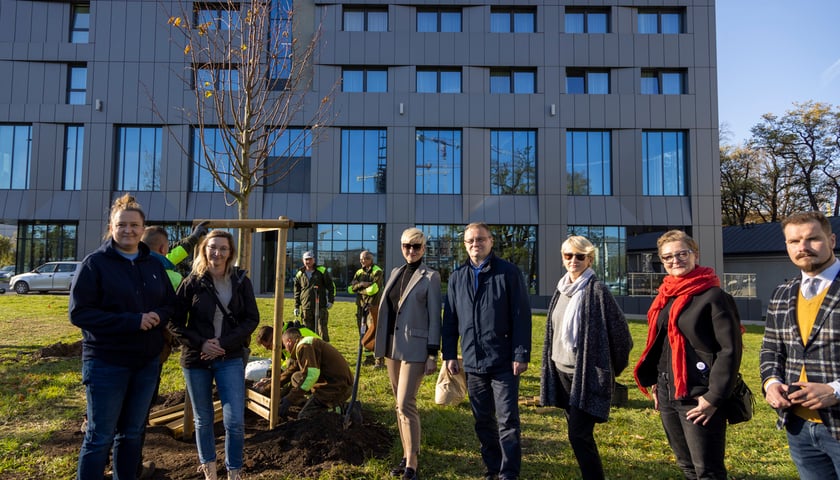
point(812, 288)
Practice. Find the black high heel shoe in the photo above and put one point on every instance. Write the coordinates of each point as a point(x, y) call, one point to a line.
point(399, 469)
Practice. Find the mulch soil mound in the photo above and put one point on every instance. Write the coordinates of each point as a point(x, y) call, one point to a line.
point(296, 448)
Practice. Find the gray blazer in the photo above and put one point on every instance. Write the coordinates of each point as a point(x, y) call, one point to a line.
point(418, 317)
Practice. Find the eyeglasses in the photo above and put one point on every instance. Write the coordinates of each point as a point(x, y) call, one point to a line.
point(671, 257)
point(412, 246)
point(578, 256)
point(476, 240)
point(218, 249)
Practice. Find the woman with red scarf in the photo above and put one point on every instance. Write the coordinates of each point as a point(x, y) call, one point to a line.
point(692, 357)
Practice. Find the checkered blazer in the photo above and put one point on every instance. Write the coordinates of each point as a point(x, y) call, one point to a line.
point(783, 352)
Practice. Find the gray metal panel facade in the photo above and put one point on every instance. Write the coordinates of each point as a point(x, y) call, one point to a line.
point(130, 60)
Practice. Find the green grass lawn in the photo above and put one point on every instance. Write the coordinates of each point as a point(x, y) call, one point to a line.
point(38, 397)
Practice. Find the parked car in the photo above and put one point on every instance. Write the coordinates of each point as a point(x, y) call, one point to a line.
point(48, 277)
point(6, 273)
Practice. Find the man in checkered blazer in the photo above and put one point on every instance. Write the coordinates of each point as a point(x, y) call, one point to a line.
point(800, 355)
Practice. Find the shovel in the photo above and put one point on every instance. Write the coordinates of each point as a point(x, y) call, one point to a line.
point(354, 408)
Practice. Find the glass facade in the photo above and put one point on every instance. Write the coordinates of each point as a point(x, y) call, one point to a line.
point(39, 243)
point(364, 156)
point(664, 161)
point(364, 80)
point(587, 21)
point(438, 161)
point(15, 156)
point(74, 139)
point(365, 19)
point(212, 152)
point(511, 20)
point(513, 162)
point(610, 264)
point(77, 85)
point(588, 162)
point(442, 20)
point(138, 158)
point(80, 23)
point(289, 164)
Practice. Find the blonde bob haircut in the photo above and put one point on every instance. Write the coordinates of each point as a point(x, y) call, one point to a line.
point(579, 244)
point(413, 235)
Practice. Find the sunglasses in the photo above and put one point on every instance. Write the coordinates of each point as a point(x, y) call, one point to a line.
point(578, 256)
point(412, 246)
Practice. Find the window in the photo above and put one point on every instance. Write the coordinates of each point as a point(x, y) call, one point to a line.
point(210, 78)
point(217, 15)
point(512, 20)
point(76, 84)
point(664, 160)
point(445, 249)
point(364, 80)
point(611, 261)
point(661, 21)
point(280, 46)
point(289, 164)
point(364, 155)
point(15, 154)
point(139, 151)
point(588, 162)
point(438, 20)
point(587, 20)
point(39, 243)
point(513, 162)
point(80, 23)
point(211, 150)
point(438, 81)
point(512, 81)
point(366, 19)
point(663, 82)
point(73, 153)
point(338, 248)
point(438, 161)
point(587, 81)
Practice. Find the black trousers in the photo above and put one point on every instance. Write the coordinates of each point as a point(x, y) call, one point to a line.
point(581, 436)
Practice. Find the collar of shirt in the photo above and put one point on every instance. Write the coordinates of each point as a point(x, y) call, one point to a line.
point(826, 276)
point(476, 270)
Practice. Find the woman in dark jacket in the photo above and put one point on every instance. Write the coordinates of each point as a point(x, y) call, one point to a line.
point(587, 343)
point(217, 316)
point(692, 357)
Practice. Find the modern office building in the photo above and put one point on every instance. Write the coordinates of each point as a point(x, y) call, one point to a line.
point(541, 118)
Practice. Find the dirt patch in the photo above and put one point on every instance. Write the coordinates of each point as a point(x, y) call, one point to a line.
point(59, 349)
point(297, 448)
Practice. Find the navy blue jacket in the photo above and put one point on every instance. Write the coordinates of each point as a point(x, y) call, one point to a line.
point(108, 298)
point(193, 323)
point(493, 322)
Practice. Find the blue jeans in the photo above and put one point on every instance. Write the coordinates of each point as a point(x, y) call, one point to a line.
point(118, 400)
point(494, 400)
point(230, 383)
point(813, 449)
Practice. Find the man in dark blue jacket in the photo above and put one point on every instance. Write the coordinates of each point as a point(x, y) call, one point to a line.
point(487, 307)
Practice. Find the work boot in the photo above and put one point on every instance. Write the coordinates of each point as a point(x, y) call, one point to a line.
point(209, 470)
point(379, 363)
point(146, 471)
point(235, 474)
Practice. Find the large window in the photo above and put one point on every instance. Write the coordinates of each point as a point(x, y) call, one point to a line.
point(515, 243)
point(662, 82)
point(364, 80)
point(210, 78)
point(76, 84)
point(80, 23)
point(217, 15)
point(73, 153)
point(139, 151)
point(290, 162)
point(611, 255)
point(512, 20)
point(664, 163)
point(587, 20)
point(512, 81)
point(587, 81)
point(338, 246)
point(438, 81)
point(513, 162)
point(588, 162)
point(661, 21)
point(365, 19)
point(281, 38)
point(212, 150)
point(39, 243)
point(438, 161)
point(364, 155)
point(438, 20)
point(15, 154)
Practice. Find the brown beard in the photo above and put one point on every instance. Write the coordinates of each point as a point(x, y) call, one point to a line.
point(819, 267)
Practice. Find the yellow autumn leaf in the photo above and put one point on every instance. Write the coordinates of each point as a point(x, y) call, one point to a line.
point(187, 49)
point(208, 94)
point(244, 47)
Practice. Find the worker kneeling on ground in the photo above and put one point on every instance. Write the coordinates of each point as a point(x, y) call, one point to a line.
point(319, 369)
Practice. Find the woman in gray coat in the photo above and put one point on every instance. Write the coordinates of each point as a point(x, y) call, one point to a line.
point(408, 336)
point(587, 344)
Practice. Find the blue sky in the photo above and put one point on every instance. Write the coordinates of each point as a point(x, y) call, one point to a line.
point(772, 53)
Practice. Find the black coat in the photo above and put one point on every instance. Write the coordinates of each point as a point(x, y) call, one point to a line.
point(193, 324)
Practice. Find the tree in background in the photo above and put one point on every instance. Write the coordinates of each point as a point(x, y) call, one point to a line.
point(7, 250)
point(250, 75)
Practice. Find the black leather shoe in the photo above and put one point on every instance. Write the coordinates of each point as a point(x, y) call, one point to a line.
point(399, 469)
point(410, 474)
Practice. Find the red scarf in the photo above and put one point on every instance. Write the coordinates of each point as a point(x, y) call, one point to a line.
point(682, 289)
